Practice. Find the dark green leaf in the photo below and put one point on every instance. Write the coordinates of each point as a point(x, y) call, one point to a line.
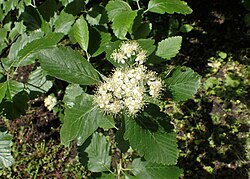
point(151, 136)
point(6, 158)
point(182, 83)
point(67, 64)
point(144, 169)
point(147, 45)
point(81, 120)
point(98, 154)
point(31, 18)
point(105, 39)
point(97, 15)
point(169, 6)
point(16, 107)
point(143, 30)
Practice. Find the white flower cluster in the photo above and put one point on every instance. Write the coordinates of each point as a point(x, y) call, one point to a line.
point(50, 102)
point(129, 50)
point(127, 88)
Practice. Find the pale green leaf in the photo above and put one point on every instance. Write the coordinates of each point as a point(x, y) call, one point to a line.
point(64, 22)
point(21, 42)
point(27, 54)
point(67, 64)
point(122, 16)
point(19, 28)
point(81, 120)
point(38, 82)
point(169, 47)
point(13, 88)
point(3, 89)
point(147, 170)
point(6, 158)
point(98, 154)
point(81, 33)
point(169, 6)
point(71, 92)
point(183, 83)
point(146, 135)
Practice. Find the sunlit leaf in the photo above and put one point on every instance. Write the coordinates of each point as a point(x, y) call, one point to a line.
point(81, 120)
point(6, 158)
point(69, 65)
point(169, 6)
point(81, 33)
point(122, 16)
point(145, 169)
point(169, 47)
point(183, 83)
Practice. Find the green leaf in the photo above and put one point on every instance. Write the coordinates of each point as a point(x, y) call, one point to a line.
point(144, 169)
point(147, 45)
point(105, 39)
point(183, 83)
point(6, 158)
point(81, 120)
point(27, 54)
point(47, 9)
point(97, 15)
point(3, 89)
point(185, 28)
point(108, 123)
point(146, 135)
point(71, 92)
point(122, 16)
point(18, 29)
point(98, 154)
point(81, 33)
point(169, 6)
point(64, 22)
point(109, 48)
point(13, 87)
point(38, 82)
point(143, 30)
point(21, 42)
point(31, 18)
point(16, 107)
point(169, 47)
point(67, 64)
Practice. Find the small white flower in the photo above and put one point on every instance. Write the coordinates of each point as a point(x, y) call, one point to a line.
point(141, 57)
point(50, 102)
point(129, 48)
point(118, 56)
